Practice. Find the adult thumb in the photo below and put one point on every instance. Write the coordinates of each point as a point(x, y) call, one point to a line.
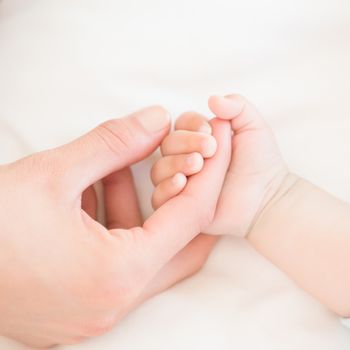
point(112, 145)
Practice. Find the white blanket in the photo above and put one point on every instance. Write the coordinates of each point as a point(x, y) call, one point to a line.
point(67, 65)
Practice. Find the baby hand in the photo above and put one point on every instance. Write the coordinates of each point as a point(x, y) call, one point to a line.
point(183, 154)
point(256, 171)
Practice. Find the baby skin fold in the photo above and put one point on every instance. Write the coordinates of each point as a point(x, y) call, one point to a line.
point(299, 227)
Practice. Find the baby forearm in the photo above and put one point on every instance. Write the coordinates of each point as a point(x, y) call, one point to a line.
point(306, 232)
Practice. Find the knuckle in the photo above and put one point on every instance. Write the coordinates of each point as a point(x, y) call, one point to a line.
point(116, 134)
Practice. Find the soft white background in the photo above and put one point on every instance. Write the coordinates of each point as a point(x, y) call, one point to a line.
point(67, 65)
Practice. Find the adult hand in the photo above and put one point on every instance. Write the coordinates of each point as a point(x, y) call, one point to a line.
point(65, 277)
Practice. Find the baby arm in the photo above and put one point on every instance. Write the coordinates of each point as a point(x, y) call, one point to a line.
point(300, 228)
point(306, 232)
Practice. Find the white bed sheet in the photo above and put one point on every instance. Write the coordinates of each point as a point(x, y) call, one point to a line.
point(67, 65)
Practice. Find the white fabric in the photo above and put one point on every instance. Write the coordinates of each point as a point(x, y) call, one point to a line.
point(346, 322)
point(67, 65)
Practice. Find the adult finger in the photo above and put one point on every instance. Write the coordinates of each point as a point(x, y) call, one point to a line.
point(121, 202)
point(89, 202)
point(183, 217)
point(183, 265)
point(111, 146)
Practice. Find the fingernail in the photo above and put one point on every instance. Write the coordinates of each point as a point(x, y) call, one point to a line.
point(195, 162)
point(179, 180)
point(232, 105)
point(205, 128)
point(208, 147)
point(192, 159)
point(153, 119)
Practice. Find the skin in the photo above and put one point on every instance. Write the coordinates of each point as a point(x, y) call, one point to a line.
point(300, 228)
point(63, 276)
point(255, 172)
